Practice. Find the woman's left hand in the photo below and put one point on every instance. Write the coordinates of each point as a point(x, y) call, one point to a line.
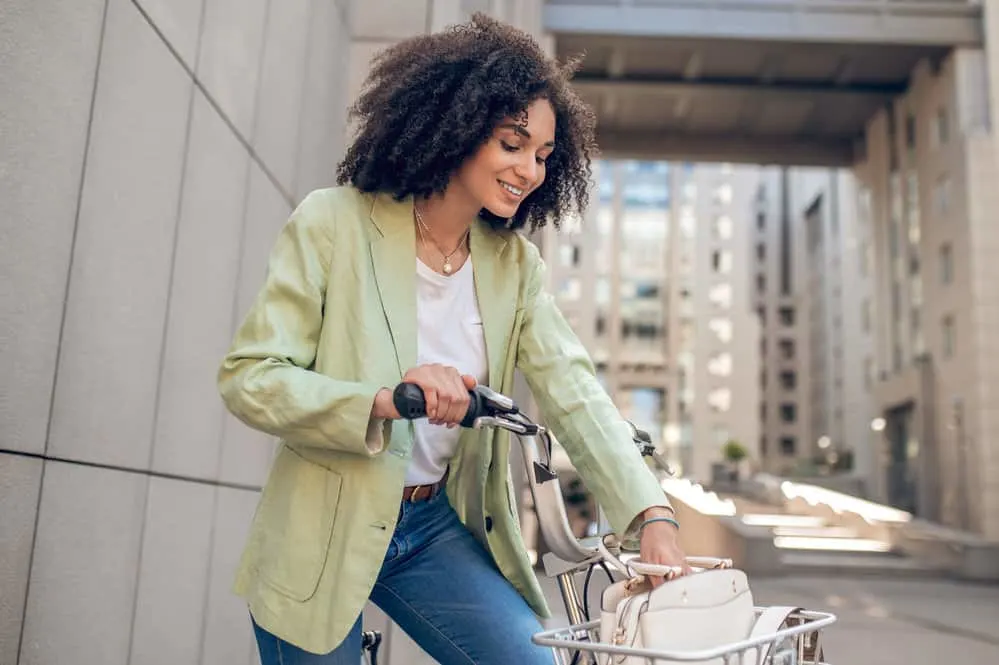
point(659, 544)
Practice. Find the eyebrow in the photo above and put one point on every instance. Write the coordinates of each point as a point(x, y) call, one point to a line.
point(519, 129)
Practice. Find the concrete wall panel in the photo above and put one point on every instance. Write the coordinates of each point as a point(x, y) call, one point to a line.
point(173, 573)
point(106, 387)
point(82, 588)
point(20, 482)
point(324, 104)
point(44, 115)
point(229, 59)
point(282, 78)
point(228, 634)
point(180, 23)
point(189, 420)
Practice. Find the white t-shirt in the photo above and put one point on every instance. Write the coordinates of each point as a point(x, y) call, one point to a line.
point(449, 332)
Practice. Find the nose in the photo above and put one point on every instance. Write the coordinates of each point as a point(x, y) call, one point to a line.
point(527, 170)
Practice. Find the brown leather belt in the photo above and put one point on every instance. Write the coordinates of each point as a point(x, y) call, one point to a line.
point(417, 493)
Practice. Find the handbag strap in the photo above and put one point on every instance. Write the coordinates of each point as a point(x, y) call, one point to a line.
point(768, 623)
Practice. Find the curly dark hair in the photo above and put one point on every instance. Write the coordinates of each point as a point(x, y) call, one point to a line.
point(431, 101)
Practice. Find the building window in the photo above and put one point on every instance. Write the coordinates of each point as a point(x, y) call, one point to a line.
point(763, 411)
point(571, 289)
point(787, 316)
point(941, 195)
point(721, 295)
point(949, 337)
point(721, 261)
point(723, 227)
point(788, 380)
point(763, 446)
point(722, 328)
point(868, 372)
point(721, 364)
point(910, 132)
point(720, 400)
point(946, 264)
point(787, 349)
point(723, 194)
point(865, 315)
point(941, 126)
point(787, 446)
point(761, 282)
point(788, 412)
point(761, 251)
point(761, 221)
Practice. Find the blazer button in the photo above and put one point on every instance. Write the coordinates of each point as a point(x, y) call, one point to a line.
point(489, 524)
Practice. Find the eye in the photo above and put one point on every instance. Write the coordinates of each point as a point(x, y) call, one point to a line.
point(508, 147)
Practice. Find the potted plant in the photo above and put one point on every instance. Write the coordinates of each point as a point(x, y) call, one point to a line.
point(735, 454)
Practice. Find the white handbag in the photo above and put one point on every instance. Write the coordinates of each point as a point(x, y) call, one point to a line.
point(694, 613)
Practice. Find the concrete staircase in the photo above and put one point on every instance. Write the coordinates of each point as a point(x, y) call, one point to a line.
point(821, 531)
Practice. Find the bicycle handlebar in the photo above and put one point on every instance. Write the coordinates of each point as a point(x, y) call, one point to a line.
point(409, 401)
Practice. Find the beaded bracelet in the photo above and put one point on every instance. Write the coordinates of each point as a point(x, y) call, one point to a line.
point(660, 519)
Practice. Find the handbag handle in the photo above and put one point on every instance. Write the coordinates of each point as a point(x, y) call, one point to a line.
point(669, 572)
point(632, 568)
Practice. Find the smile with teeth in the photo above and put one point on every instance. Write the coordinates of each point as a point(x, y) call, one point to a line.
point(516, 191)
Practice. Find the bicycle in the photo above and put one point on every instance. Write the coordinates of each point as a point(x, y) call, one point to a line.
point(795, 641)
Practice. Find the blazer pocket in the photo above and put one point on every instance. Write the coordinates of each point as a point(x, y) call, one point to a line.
point(296, 515)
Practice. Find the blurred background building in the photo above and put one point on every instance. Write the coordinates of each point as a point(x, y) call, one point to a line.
point(655, 282)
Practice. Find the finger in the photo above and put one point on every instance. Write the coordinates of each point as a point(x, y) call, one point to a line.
point(444, 407)
point(469, 381)
point(430, 396)
point(458, 404)
point(463, 400)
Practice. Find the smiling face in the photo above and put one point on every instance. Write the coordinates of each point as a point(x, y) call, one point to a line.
point(511, 164)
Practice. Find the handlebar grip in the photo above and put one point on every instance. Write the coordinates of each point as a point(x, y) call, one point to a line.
point(409, 401)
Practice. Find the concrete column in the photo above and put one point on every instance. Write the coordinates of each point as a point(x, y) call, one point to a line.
point(987, 447)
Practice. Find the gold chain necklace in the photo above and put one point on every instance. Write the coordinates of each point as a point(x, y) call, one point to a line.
point(448, 268)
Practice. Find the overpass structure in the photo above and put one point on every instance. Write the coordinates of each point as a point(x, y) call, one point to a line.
point(762, 81)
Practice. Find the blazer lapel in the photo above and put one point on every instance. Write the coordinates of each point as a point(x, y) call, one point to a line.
point(393, 254)
point(496, 291)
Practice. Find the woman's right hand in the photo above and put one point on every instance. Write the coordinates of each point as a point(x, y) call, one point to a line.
point(444, 388)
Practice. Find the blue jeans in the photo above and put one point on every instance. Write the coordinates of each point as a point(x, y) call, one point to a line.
point(441, 587)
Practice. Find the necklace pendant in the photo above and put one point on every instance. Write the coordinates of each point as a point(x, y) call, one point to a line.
point(447, 268)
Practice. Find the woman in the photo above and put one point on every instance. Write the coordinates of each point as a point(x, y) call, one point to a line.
point(411, 270)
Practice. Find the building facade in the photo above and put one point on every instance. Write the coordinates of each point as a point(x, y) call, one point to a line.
point(655, 282)
point(814, 298)
point(929, 173)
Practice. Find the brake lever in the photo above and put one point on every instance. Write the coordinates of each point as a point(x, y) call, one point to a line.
point(502, 422)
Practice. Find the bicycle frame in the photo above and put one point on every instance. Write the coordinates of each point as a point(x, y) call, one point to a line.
point(568, 555)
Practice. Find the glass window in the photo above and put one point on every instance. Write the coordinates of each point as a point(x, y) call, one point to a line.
point(720, 364)
point(723, 227)
point(949, 337)
point(720, 399)
point(721, 295)
point(946, 264)
point(722, 328)
point(788, 412)
point(788, 446)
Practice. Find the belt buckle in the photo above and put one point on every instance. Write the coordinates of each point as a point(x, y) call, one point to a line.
point(413, 496)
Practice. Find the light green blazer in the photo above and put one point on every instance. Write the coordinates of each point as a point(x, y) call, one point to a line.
point(336, 321)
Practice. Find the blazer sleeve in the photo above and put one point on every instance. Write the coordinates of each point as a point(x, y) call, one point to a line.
point(563, 381)
point(267, 379)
